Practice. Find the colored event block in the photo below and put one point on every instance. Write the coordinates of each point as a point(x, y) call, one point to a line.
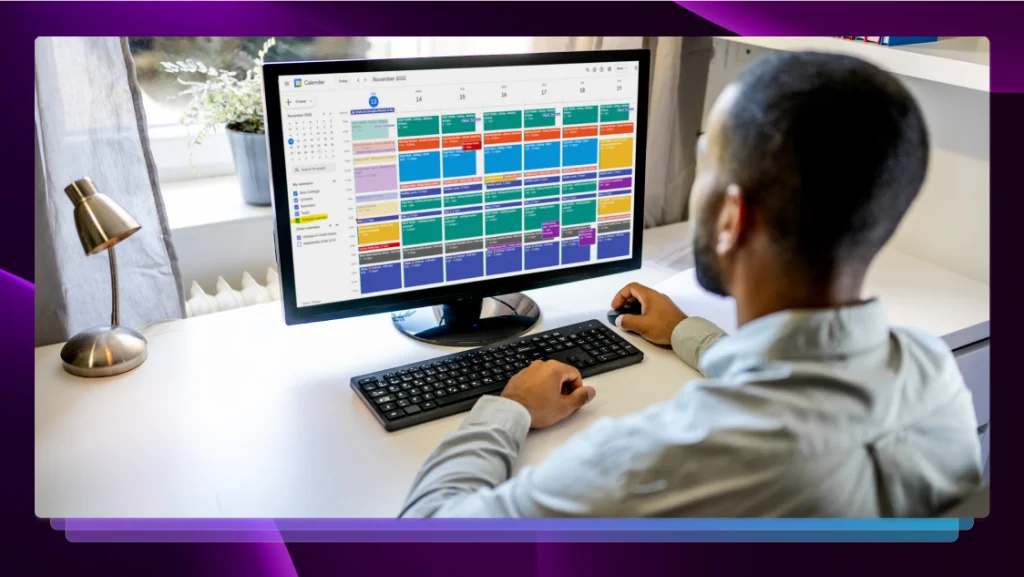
point(378, 147)
point(464, 266)
point(380, 277)
point(374, 159)
point(539, 118)
point(579, 212)
point(541, 155)
point(535, 216)
point(503, 195)
point(378, 232)
point(540, 255)
point(579, 187)
point(458, 163)
point(614, 112)
point(542, 134)
point(462, 141)
point(417, 204)
point(422, 143)
point(615, 204)
point(507, 137)
point(375, 178)
point(580, 131)
point(463, 200)
point(373, 209)
point(573, 252)
point(421, 231)
point(613, 245)
point(621, 128)
point(616, 153)
point(419, 166)
point(458, 123)
point(507, 158)
point(504, 259)
point(540, 192)
point(418, 126)
point(463, 226)
point(505, 120)
point(369, 129)
point(423, 271)
point(579, 115)
point(504, 221)
point(587, 236)
point(579, 152)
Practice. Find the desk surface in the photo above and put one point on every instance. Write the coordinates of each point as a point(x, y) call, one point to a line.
point(237, 415)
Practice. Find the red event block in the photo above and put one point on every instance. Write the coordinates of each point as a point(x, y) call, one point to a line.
point(458, 140)
point(379, 246)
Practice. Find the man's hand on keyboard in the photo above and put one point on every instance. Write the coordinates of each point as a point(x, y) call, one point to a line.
point(539, 388)
point(659, 315)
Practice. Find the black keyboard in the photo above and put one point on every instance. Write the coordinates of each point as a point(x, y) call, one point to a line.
point(408, 395)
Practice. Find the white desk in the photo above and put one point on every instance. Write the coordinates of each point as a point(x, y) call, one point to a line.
point(237, 415)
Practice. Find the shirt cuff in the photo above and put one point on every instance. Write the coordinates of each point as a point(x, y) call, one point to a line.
point(494, 411)
point(692, 337)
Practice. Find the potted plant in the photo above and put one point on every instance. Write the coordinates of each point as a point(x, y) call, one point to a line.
point(221, 98)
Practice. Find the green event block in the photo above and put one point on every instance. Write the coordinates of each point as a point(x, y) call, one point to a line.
point(579, 212)
point(505, 120)
point(614, 113)
point(458, 123)
point(503, 221)
point(463, 226)
point(578, 187)
point(369, 129)
point(536, 216)
point(539, 118)
point(417, 126)
point(463, 200)
point(504, 195)
point(421, 231)
point(541, 191)
point(579, 115)
point(418, 204)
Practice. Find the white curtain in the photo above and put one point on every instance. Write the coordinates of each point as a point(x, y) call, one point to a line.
point(90, 122)
point(678, 82)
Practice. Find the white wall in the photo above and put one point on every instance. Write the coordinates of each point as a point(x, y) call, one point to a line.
point(948, 225)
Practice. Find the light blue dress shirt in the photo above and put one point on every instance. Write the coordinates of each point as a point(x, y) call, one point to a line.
point(802, 413)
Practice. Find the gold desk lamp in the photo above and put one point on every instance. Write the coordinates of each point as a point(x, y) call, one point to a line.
point(109, 350)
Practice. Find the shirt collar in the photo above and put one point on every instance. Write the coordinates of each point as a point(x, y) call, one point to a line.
point(799, 335)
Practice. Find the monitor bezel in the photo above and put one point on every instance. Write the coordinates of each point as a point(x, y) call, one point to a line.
point(483, 288)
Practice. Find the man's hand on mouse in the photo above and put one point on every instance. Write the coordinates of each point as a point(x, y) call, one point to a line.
point(539, 387)
point(659, 315)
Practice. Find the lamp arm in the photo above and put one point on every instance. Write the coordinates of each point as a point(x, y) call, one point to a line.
point(114, 317)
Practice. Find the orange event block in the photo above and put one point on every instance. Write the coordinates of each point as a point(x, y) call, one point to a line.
point(619, 128)
point(457, 140)
point(543, 134)
point(579, 131)
point(424, 143)
point(503, 137)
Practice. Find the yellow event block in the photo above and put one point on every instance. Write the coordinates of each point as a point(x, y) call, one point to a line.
point(502, 178)
point(614, 204)
point(376, 209)
point(616, 153)
point(309, 218)
point(379, 232)
point(375, 159)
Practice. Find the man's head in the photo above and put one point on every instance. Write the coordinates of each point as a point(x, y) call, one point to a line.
point(809, 160)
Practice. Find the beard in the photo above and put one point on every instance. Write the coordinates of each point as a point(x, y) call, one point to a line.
point(709, 273)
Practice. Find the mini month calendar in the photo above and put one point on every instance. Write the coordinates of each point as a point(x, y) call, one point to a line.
point(310, 137)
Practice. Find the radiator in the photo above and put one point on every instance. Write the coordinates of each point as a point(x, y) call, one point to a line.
point(226, 297)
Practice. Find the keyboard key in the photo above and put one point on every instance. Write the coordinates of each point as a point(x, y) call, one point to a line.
point(401, 372)
point(442, 376)
point(368, 380)
point(406, 378)
point(389, 376)
point(464, 386)
point(429, 396)
point(378, 393)
point(452, 390)
point(406, 386)
point(428, 406)
point(403, 403)
point(440, 393)
point(416, 399)
point(419, 383)
point(369, 387)
point(430, 380)
point(607, 357)
point(475, 384)
point(396, 414)
point(387, 407)
point(418, 375)
point(412, 409)
point(385, 399)
point(394, 381)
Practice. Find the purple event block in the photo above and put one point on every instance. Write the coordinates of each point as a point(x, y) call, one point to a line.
point(543, 180)
point(549, 229)
point(420, 192)
point(615, 183)
point(588, 236)
point(512, 204)
point(376, 178)
point(579, 176)
point(463, 188)
point(615, 173)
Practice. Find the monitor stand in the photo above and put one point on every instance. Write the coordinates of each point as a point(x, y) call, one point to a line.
point(470, 322)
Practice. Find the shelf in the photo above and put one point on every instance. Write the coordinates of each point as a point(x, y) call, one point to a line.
point(962, 62)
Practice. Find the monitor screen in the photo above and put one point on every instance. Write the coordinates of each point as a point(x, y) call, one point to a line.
point(401, 180)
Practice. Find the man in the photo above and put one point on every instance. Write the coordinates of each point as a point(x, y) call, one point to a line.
point(815, 406)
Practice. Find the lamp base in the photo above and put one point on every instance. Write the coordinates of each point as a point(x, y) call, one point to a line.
point(103, 352)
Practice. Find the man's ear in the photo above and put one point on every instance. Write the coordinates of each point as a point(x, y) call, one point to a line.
point(732, 220)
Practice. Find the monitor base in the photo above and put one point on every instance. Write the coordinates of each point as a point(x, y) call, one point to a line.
point(470, 322)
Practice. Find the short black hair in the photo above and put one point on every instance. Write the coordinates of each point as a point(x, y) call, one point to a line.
point(830, 152)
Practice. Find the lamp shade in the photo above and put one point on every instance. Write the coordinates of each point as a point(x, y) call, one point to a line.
point(100, 221)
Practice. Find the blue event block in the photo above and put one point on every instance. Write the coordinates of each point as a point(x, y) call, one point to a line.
point(464, 265)
point(424, 165)
point(507, 158)
point(423, 271)
point(541, 255)
point(459, 163)
point(613, 245)
point(572, 252)
point(579, 152)
point(380, 277)
point(541, 155)
point(506, 259)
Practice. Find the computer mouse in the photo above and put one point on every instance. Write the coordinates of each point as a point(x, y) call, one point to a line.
point(632, 308)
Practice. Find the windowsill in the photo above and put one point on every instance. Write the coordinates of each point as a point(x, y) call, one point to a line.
point(206, 201)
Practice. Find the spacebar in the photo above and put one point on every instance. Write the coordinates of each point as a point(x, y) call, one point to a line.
point(470, 394)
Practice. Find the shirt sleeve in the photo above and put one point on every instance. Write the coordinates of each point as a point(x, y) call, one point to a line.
point(692, 337)
point(470, 473)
